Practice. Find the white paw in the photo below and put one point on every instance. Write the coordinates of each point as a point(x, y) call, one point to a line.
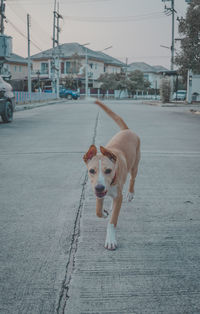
point(130, 196)
point(110, 243)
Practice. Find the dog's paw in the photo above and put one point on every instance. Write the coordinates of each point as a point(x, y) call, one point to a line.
point(105, 213)
point(110, 243)
point(130, 196)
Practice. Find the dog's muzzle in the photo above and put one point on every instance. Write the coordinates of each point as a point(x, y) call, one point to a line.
point(100, 190)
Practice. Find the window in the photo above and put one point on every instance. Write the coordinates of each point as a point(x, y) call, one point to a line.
point(44, 68)
point(62, 67)
point(67, 63)
point(20, 68)
point(15, 68)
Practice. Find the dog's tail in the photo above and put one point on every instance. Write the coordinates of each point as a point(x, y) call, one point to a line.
point(120, 122)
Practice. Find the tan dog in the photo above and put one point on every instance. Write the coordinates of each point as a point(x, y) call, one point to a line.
point(108, 171)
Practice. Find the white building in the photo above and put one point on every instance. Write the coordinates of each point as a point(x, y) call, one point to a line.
point(15, 67)
point(72, 61)
point(153, 74)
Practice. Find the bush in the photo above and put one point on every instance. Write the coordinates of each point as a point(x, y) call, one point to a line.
point(165, 90)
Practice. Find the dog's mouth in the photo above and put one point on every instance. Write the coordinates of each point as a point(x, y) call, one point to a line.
point(100, 194)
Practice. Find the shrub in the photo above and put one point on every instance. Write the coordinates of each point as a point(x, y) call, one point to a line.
point(165, 90)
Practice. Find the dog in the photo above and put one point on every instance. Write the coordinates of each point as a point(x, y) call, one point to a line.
point(108, 171)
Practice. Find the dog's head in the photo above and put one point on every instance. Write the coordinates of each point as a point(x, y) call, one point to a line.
point(101, 169)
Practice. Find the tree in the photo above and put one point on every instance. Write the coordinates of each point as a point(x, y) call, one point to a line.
point(120, 81)
point(108, 81)
point(189, 28)
point(136, 81)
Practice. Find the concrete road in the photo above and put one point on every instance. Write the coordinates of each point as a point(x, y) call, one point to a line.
point(52, 258)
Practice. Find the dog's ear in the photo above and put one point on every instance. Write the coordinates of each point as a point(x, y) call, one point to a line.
point(90, 154)
point(108, 154)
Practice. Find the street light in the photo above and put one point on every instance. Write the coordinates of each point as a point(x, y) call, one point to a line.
point(86, 68)
point(105, 49)
point(86, 65)
point(38, 78)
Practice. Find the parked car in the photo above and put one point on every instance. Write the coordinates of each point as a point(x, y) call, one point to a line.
point(47, 89)
point(7, 101)
point(180, 95)
point(68, 93)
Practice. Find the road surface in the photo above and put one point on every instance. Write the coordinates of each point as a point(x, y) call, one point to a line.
point(52, 258)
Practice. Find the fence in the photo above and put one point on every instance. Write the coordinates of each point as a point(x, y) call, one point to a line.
point(25, 97)
point(117, 94)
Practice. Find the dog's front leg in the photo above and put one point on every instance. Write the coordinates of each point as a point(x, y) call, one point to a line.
point(111, 242)
point(99, 208)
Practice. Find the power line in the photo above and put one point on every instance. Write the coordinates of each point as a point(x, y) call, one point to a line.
point(33, 25)
point(114, 19)
point(22, 34)
point(61, 1)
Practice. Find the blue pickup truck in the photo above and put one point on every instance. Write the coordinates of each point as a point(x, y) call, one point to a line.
point(68, 93)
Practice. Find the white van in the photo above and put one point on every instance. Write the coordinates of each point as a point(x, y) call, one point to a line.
point(7, 101)
point(180, 95)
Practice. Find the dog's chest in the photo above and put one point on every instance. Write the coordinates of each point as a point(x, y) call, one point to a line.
point(113, 191)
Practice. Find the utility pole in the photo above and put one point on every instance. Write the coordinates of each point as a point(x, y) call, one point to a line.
point(5, 41)
point(2, 16)
point(56, 62)
point(86, 72)
point(171, 11)
point(29, 59)
point(172, 47)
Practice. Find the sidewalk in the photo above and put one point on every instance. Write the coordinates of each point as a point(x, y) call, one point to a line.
point(193, 108)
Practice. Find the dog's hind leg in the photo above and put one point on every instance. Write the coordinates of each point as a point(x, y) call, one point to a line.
point(133, 173)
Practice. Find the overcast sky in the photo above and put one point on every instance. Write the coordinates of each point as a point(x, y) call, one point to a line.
point(134, 28)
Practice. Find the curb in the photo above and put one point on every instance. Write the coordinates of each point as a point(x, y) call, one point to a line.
point(181, 104)
point(36, 105)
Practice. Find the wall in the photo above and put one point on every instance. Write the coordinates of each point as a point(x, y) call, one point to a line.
point(196, 83)
point(18, 71)
point(196, 87)
point(95, 68)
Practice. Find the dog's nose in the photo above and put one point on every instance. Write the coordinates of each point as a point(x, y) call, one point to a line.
point(99, 188)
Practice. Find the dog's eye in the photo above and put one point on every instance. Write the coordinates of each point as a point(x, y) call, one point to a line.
point(92, 171)
point(107, 171)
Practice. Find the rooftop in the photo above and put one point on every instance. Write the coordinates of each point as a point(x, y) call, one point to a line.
point(14, 58)
point(69, 49)
point(146, 68)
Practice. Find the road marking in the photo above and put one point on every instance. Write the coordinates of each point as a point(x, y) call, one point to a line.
point(175, 153)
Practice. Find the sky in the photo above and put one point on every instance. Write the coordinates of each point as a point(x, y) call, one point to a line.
point(135, 29)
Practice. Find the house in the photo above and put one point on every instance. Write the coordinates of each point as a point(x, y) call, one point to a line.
point(153, 74)
point(72, 62)
point(15, 67)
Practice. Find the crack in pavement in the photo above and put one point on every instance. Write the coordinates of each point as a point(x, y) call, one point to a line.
point(70, 267)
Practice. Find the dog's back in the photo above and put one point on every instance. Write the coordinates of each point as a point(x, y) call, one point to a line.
point(125, 141)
